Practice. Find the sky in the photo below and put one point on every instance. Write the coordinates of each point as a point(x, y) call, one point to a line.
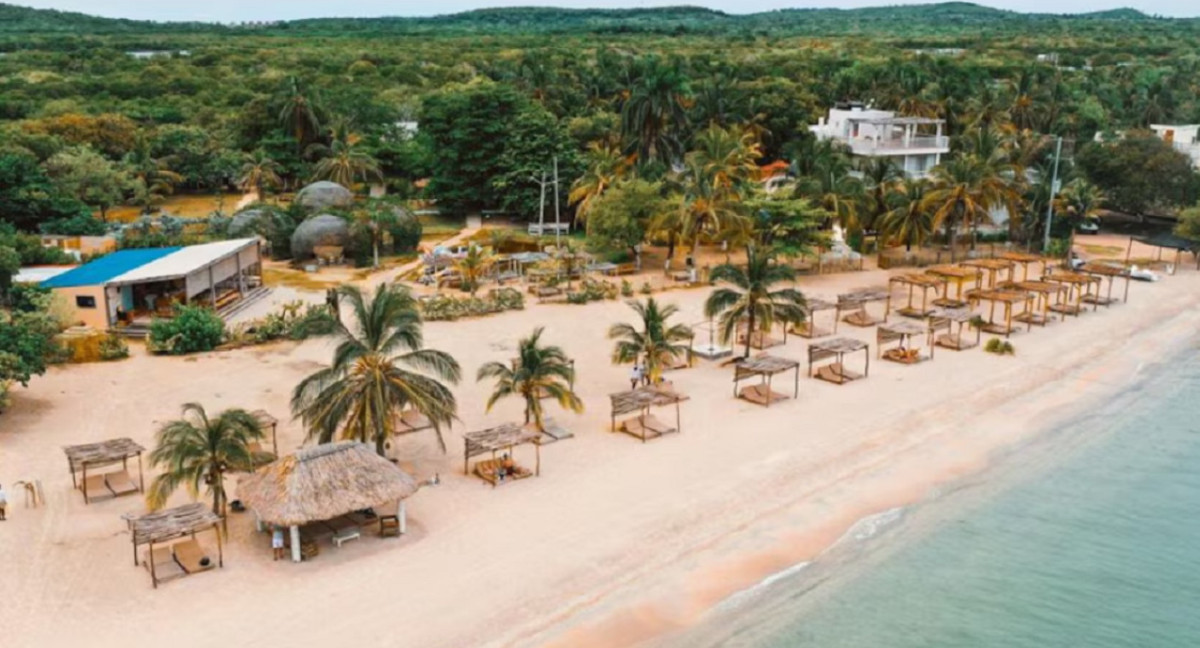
point(243, 10)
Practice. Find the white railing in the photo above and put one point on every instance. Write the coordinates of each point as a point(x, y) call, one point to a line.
point(870, 146)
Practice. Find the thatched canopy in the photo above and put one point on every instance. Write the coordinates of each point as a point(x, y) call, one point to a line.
point(500, 437)
point(104, 452)
point(838, 345)
point(959, 315)
point(323, 195)
point(1104, 269)
point(1002, 296)
point(324, 230)
point(642, 398)
point(903, 327)
point(168, 524)
point(1021, 257)
point(957, 273)
point(766, 365)
point(813, 305)
point(864, 295)
point(323, 482)
point(1074, 278)
point(1040, 287)
point(993, 265)
point(919, 280)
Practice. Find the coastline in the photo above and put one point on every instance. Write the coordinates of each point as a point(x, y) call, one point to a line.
point(617, 543)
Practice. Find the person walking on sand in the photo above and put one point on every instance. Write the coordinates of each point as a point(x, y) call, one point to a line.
point(635, 376)
point(277, 542)
point(3, 504)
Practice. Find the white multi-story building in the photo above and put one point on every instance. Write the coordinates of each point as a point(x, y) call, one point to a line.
point(917, 143)
point(1185, 139)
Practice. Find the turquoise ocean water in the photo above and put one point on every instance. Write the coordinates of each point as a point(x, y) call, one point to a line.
point(1088, 537)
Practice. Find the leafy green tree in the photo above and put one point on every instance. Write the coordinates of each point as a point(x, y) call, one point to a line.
point(603, 167)
point(789, 226)
point(193, 329)
point(473, 267)
point(752, 296)
point(10, 265)
point(379, 369)
point(27, 337)
point(152, 177)
point(300, 112)
point(28, 197)
point(658, 343)
point(538, 371)
point(259, 174)
point(376, 219)
point(620, 218)
point(197, 450)
point(1189, 225)
point(1141, 174)
point(92, 179)
point(1078, 203)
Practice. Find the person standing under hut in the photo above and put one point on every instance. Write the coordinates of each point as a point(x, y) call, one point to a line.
point(3, 504)
point(277, 542)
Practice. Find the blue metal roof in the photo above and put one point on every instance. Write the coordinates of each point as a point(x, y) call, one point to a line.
point(107, 267)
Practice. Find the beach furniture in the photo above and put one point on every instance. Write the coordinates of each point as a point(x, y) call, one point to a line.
point(1008, 300)
point(645, 426)
point(343, 530)
point(553, 432)
point(926, 283)
point(312, 487)
point(91, 456)
point(1109, 273)
point(809, 328)
point(854, 303)
point(501, 439)
point(171, 559)
point(1024, 260)
point(953, 321)
point(903, 334)
point(119, 483)
point(995, 270)
point(1080, 290)
point(837, 349)
point(960, 277)
point(758, 339)
point(765, 368)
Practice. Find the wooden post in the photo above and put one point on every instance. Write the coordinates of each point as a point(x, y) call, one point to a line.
point(796, 388)
point(212, 288)
point(403, 518)
point(295, 533)
point(133, 540)
point(84, 478)
point(153, 569)
point(71, 466)
point(537, 453)
point(141, 475)
point(220, 547)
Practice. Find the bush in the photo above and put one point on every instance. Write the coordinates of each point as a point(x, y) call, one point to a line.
point(112, 347)
point(447, 308)
point(406, 235)
point(999, 347)
point(294, 321)
point(592, 290)
point(626, 288)
point(646, 289)
point(193, 329)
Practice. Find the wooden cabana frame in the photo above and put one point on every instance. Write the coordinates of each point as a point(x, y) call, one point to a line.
point(809, 327)
point(952, 321)
point(265, 421)
point(855, 303)
point(902, 333)
point(759, 339)
point(1106, 273)
point(994, 270)
point(959, 277)
point(645, 426)
point(173, 524)
point(836, 372)
point(924, 282)
point(1046, 295)
point(1079, 287)
point(502, 437)
point(1166, 241)
point(764, 367)
point(86, 456)
point(1008, 299)
point(1025, 260)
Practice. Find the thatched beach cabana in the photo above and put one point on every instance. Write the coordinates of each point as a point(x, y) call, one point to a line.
point(645, 426)
point(959, 276)
point(764, 367)
point(996, 270)
point(502, 438)
point(925, 283)
point(1046, 294)
point(81, 458)
point(902, 333)
point(809, 327)
point(855, 304)
point(837, 348)
point(1025, 260)
point(1167, 241)
point(266, 423)
point(324, 484)
point(1079, 289)
point(953, 321)
point(1110, 273)
point(181, 558)
point(1008, 299)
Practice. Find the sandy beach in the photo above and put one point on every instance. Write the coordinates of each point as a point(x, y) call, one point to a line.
point(617, 542)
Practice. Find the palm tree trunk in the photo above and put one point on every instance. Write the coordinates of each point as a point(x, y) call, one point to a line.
point(750, 329)
point(375, 244)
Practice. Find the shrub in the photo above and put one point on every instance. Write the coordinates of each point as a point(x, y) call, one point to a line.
point(646, 289)
point(626, 288)
point(447, 308)
point(294, 321)
point(112, 347)
point(999, 347)
point(592, 290)
point(193, 329)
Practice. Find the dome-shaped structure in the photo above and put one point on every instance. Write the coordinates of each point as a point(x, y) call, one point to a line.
point(323, 230)
point(249, 221)
point(320, 196)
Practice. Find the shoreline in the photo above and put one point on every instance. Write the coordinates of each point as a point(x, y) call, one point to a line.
point(653, 624)
point(617, 543)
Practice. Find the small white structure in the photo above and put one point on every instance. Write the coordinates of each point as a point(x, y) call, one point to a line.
point(917, 143)
point(1185, 139)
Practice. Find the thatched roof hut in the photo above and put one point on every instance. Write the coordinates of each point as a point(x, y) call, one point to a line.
point(323, 482)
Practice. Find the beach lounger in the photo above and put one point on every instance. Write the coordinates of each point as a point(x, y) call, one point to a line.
point(760, 395)
point(860, 318)
point(165, 567)
point(489, 470)
point(654, 425)
point(344, 530)
point(191, 557)
point(636, 427)
point(95, 486)
point(903, 356)
point(119, 483)
point(553, 431)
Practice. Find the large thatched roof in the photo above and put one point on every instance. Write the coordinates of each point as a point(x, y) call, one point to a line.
point(323, 482)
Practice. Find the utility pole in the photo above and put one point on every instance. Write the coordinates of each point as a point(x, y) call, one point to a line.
point(557, 226)
point(1050, 202)
point(542, 207)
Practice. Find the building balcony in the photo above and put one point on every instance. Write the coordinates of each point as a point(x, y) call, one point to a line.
point(922, 144)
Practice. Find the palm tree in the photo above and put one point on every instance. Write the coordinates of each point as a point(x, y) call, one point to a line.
point(374, 220)
point(715, 179)
point(197, 450)
point(605, 166)
point(538, 371)
point(379, 368)
point(153, 179)
point(962, 194)
point(881, 180)
point(259, 173)
point(655, 112)
point(345, 163)
point(300, 112)
point(473, 266)
point(751, 297)
point(657, 343)
point(910, 219)
point(1079, 201)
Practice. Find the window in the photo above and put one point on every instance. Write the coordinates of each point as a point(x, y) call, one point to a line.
point(85, 301)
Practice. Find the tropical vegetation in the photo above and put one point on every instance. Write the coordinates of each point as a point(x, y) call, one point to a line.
point(539, 371)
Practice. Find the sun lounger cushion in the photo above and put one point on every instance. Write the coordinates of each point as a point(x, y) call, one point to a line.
point(859, 318)
point(120, 483)
point(653, 424)
point(95, 486)
point(165, 567)
point(191, 557)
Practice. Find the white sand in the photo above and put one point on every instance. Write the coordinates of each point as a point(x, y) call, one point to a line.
point(615, 543)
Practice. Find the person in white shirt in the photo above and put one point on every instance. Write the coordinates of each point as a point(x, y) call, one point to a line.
point(635, 376)
point(3, 504)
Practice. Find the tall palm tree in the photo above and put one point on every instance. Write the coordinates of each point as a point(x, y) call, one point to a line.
point(473, 266)
point(374, 221)
point(259, 174)
point(380, 367)
point(963, 193)
point(654, 114)
point(605, 166)
point(716, 177)
point(346, 164)
point(300, 112)
point(753, 297)
point(197, 451)
point(153, 179)
point(881, 179)
point(1078, 202)
point(657, 342)
point(910, 219)
point(538, 371)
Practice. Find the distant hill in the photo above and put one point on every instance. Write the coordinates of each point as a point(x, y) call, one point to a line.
point(682, 19)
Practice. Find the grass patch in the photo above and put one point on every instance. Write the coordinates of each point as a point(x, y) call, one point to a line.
point(1102, 250)
point(183, 206)
point(297, 279)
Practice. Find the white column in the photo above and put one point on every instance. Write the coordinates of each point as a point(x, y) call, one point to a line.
point(403, 519)
point(295, 543)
